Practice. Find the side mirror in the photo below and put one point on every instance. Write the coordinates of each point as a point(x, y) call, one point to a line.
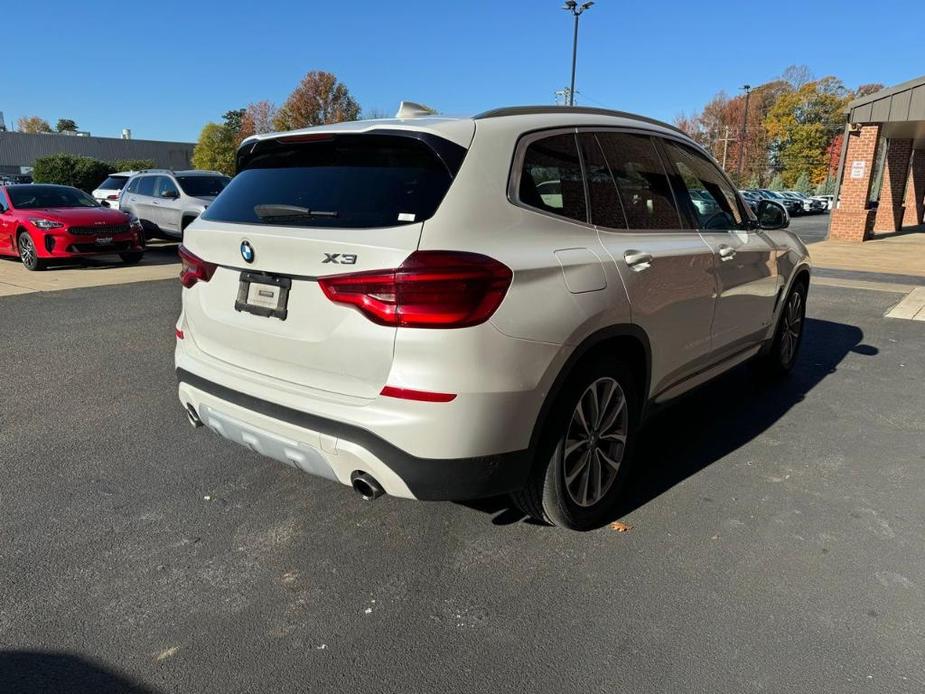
point(105, 203)
point(772, 215)
point(170, 194)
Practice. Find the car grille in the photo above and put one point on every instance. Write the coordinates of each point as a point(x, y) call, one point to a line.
point(103, 229)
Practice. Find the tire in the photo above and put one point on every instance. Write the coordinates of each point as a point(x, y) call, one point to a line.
point(579, 485)
point(788, 335)
point(131, 258)
point(27, 252)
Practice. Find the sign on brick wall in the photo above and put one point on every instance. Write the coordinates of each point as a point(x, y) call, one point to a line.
point(857, 168)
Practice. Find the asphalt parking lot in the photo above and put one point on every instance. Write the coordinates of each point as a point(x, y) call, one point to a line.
point(775, 542)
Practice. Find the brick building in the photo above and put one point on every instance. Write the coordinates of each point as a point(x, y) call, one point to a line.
point(882, 167)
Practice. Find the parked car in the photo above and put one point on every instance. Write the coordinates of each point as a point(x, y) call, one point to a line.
point(108, 191)
point(167, 201)
point(409, 307)
point(41, 223)
point(793, 207)
point(810, 206)
point(751, 199)
point(826, 200)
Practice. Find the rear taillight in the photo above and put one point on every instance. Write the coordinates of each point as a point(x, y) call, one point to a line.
point(112, 197)
point(193, 268)
point(431, 289)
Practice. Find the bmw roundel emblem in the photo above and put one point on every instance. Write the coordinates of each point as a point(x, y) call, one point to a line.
point(247, 251)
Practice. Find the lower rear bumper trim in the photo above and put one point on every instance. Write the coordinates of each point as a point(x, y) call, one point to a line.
point(456, 479)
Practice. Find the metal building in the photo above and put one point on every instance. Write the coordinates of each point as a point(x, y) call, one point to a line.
point(18, 151)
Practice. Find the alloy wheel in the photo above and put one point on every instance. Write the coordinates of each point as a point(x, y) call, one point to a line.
point(595, 442)
point(791, 327)
point(27, 250)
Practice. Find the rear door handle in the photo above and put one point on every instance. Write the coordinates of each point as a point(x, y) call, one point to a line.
point(726, 252)
point(637, 260)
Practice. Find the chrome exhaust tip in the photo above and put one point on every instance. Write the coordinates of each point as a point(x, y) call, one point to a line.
point(192, 416)
point(366, 485)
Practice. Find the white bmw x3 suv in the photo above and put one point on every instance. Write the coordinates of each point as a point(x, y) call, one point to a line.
point(442, 308)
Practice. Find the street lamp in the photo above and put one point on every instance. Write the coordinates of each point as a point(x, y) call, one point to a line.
point(576, 9)
point(747, 88)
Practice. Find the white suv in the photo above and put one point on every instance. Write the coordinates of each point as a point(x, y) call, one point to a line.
point(165, 201)
point(446, 308)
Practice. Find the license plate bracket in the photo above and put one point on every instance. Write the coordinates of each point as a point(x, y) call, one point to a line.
point(263, 295)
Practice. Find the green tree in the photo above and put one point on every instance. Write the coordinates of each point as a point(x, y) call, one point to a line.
point(319, 99)
point(216, 149)
point(33, 124)
point(133, 164)
point(802, 184)
point(777, 183)
point(801, 125)
point(66, 125)
point(233, 119)
point(85, 173)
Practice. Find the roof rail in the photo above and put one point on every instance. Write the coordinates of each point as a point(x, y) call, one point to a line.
point(587, 110)
point(154, 171)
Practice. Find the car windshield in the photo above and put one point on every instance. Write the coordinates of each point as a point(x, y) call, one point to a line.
point(113, 183)
point(203, 186)
point(31, 197)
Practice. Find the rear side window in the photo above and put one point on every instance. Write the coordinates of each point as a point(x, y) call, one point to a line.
point(146, 185)
point(164, 185)
point(201, 186)
point(713, 200)
point(113, 183)
point(644, 189)
point(350, 181)
point(551, 179)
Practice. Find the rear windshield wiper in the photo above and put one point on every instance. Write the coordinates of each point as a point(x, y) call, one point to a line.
point(284, 213)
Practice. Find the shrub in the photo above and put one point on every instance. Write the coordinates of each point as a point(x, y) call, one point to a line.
point(133, 164)
point(85, 173)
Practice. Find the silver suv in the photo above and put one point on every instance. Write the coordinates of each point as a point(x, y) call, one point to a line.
point(442, 308)
point(167, 201)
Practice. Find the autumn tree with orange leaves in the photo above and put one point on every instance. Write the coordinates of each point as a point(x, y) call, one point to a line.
point(319, 99)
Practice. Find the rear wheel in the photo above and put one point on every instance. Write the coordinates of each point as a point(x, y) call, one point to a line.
point(578, 477)
point(131, 258)
point(27, 253)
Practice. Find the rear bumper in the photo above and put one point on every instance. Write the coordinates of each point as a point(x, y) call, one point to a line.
point(334, 449)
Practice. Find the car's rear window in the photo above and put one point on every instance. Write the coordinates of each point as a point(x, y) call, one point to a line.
point(350, 181)
point(113, 183)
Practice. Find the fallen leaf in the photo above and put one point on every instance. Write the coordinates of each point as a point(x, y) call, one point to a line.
point(620, 527)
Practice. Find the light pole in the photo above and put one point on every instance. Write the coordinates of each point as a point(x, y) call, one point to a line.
point(742, 141)
point(576, 9)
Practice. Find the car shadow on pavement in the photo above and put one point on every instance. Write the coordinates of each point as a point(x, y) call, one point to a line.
point(718, 418)
point(42, 672)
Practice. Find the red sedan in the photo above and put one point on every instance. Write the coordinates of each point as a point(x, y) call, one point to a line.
point(41, 223)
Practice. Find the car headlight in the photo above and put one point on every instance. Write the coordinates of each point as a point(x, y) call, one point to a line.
point(42, 223)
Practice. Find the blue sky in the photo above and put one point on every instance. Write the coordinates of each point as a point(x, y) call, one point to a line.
point(164, 69)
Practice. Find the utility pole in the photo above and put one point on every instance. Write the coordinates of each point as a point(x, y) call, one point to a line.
point(565, 94)
point(742, 136)
point(726, 140)
point(577, 10)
